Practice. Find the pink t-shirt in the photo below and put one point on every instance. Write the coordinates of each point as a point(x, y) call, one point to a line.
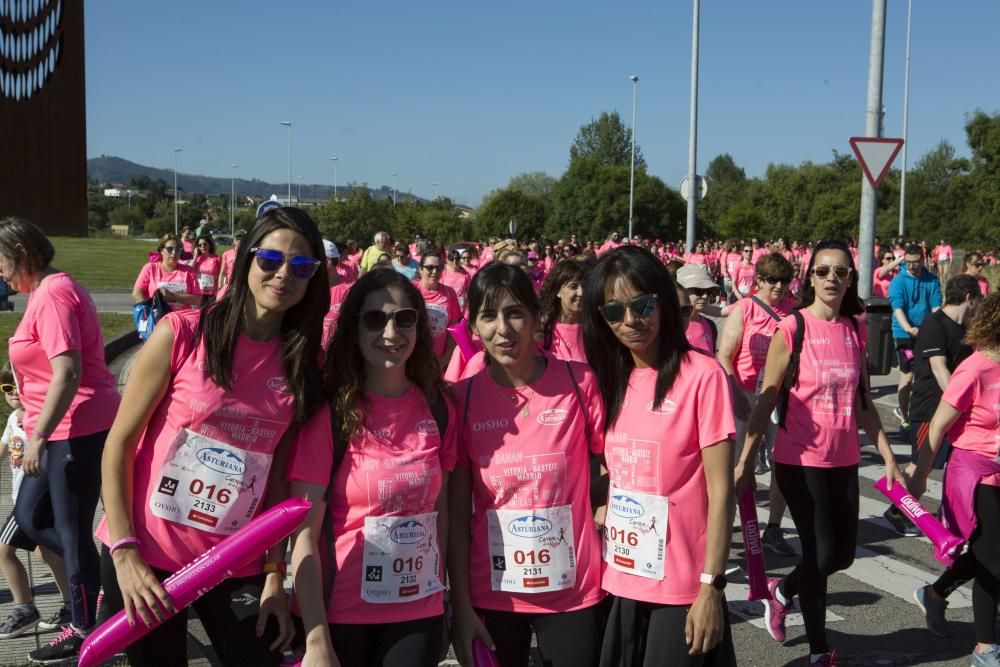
point(757, 254)
point(206, 268)
point(528, 454)
point(459, 368)
point(984, 285)
point(880, 286)
point(743, 278)
point(732, 261)
point(229, 257)
point(567, 342)
point(152, 277)
point(61, 317)
point(974, 390)
point(442, 311)
point(337, 295)
point(696, 258)
point(699, 334)
point(758, 329)
point(391, 469)
point(821, 428)
point(657, 451)
point(348, 272)
point(246, 424)
point(458, 281)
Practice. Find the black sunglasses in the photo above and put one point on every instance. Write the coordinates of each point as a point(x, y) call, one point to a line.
point(431, 267)
point(771, 280)
point(404, 319)
point(641, 306)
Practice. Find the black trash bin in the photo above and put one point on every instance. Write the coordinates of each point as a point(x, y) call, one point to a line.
point(880, 343)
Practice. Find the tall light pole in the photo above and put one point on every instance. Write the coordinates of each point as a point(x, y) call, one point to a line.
point(435, 190)
point(300, 191)
point(176, 228)
point(869, 198)
point(631, 180)
point(693, 189)
point(232, 202)
point(906, 125)
point(288, 124)
point(394, 174)
point(334, 161)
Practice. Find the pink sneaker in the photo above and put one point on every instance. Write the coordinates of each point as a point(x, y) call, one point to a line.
point(828, 660)
point(774, 613)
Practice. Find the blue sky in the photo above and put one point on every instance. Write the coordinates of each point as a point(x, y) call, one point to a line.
point(468, 94)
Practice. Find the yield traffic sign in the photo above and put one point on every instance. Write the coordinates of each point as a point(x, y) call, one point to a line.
point(875, 155)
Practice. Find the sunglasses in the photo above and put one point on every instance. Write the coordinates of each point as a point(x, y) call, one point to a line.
point(889, 258)
point(697, 291)
point(841, 271)
point(747, 250)
point(771, 280)
point(170, 248)
point(269, 261)
point(404, 319)
point(641, 306)
point(687, 310)
point(8, 389)
point(431, 268)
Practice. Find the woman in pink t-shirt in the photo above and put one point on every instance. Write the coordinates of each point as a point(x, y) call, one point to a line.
point(227, 261)
point(441, 304)
point(974, 264)
point(222, 408)
point(524, 553)
point(817, 450)
point(885, 273)
point(175, 281)
point(969, 414)
point(560, 297)
point(386, 529)
point(668, 453)
point(69, 399)
point(206, 267)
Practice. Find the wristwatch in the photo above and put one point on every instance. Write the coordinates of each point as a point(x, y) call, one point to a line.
point(716, 581)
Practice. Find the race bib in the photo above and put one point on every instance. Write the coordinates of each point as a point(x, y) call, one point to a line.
point(532, 551)
point(401, 558)
point(179, 288)
point(635, 533)
point(206, 281)
point(209, 485)
point(437, 318)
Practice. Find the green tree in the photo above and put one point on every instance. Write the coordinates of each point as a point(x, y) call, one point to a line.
point(122, 216)
point(493, 218)
point(607, 141)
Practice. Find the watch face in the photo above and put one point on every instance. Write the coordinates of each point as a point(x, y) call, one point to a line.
point(719, 582)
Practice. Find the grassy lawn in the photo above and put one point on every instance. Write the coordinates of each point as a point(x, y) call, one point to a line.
point(103, 263)
point(112, 325)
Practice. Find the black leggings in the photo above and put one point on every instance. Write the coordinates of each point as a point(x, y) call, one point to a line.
point(824, 506)
point(642, 634)
point(986, 548)
point(56, 510)
point(228, 613)
point(406, 644)
point(565, 639)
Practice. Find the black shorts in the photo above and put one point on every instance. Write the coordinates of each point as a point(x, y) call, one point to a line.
point(904, 354)
point(12, 535)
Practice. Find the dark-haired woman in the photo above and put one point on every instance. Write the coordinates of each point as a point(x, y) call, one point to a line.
point(174, 280)
point(242, 379)
point(816, 449)
point(394, 444)
point(207, 266)
point(69, 398)
point(561, 296)
point(971, 504)
point(524, 550)
point(669, 455)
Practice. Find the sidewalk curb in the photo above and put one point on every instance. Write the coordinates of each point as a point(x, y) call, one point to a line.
point(119, 345)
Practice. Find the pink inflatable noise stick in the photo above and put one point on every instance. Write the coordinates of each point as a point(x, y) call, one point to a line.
point(460, 332)
point(756, 573)
point(482, 656)
point(200, 576)
point(946, 544)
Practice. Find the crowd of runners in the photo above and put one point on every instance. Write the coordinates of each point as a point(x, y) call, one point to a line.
point(500, 440)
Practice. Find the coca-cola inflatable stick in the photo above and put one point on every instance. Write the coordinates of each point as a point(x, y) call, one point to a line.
point(200, 576)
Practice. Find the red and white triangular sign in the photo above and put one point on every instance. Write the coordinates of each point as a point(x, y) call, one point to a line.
point(875, 155)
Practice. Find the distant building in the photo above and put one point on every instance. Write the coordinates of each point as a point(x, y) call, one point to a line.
point(119, 192)
point(463, 211)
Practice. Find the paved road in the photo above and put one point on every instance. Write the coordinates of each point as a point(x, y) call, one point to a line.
point(111, 301)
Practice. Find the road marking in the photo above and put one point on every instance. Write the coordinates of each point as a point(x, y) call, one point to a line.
point(753, 612)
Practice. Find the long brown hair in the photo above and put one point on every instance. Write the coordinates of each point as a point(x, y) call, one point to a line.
point(565, 271)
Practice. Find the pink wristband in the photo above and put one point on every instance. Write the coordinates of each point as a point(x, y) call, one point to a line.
point(41, 434)
point(125, 541)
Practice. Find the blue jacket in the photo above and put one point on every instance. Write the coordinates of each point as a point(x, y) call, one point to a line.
point(916, 296)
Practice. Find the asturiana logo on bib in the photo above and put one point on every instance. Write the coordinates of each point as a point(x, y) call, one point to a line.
point(626, 506)
point(408, 532)
point(552, 416)
point(529, 525)
point(426, 427)
point(221, 460)
point(667, 407)
point(279, 384)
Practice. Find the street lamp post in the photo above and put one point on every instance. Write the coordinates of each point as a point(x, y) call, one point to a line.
point(631, 181)
point(334, 161)
point(906, 122)
point(300, 191)
point(694, 190)
point(232, 202)
point(288, 124)
point(394, 174)
point(176, 228)
point(435, 190)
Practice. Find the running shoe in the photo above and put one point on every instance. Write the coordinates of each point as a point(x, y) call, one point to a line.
point(933, 611)
point(828, 660)
point(58, 619)
point(762, 466)
point(66, 645)
point(900, 523)
point(774, 613)
point(774, 539)
point(898, 414)
point(988, 658)
point(17, 623)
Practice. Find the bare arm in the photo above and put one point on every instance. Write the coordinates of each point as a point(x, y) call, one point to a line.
point(465, 624)
point(869, 421)
point(778, 358)
point(66, 372)
point(939, 367)
point(904, 322)
point(729, 344)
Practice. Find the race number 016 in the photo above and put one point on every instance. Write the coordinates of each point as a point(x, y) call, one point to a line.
point(411, 564)
point(542, 557)
point(221, 496)
point(631, 538)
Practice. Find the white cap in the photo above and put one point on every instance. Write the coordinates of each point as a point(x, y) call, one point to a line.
point(330, 249)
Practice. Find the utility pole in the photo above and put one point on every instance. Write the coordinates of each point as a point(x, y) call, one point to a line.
point(873, 112)
point(693, 134)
